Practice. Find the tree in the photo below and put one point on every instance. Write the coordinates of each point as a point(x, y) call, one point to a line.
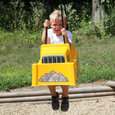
point(97, 12)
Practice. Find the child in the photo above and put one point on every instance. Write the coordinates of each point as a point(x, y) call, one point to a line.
point(55, 36)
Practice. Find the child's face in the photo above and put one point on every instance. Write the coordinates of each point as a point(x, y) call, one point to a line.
point(56, 25)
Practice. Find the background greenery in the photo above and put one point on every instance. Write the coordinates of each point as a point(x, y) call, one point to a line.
point(21, 29)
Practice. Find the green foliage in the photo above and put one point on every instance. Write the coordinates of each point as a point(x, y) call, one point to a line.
point(107, 1)
point(96, 74)
point(97, 59)
point(109, 22)
point(87, 30)
point(37, 17)
point(6, 17)
point(17, 18)
point(17, 54)
point(10, 83)
point(72, 17)
point(21, 17)
point(85, 14)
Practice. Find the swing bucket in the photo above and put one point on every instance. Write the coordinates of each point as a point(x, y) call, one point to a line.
point(58, 65)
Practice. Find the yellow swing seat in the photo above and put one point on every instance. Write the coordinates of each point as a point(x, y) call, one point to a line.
point(58, 65)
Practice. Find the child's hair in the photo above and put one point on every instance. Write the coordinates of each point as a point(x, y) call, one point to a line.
point(58, 15)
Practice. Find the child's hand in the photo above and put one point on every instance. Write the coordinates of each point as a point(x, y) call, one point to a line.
point(46, 23)
point(64, 32)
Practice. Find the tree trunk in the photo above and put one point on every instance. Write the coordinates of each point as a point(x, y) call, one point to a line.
point(97, 13)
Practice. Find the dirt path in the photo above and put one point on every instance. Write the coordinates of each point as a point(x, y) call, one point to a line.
point(103, 106)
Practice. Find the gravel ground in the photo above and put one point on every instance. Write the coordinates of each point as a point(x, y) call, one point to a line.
point(102, 106)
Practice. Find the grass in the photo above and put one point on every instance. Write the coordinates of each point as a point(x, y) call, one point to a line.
point(18, 53)
point(97, 59)
point(16, 59)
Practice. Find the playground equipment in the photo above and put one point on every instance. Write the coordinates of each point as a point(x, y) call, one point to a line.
point(58, 64)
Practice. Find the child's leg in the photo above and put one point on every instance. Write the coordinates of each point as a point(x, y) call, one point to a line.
point(65, 90)
point(65, 98)
point(52, 90)
point(55, 97)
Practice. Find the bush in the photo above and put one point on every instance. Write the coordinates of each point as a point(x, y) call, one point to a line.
point(72, 17)
point(37, 17)
point(6, 17)
point(15, 17)
point(109, 22)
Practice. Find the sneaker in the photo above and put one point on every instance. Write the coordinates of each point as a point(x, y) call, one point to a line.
point(55, 102)
point(65, 104)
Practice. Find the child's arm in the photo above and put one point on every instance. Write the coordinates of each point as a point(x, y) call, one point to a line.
point(64, 33)
point(46, 24)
